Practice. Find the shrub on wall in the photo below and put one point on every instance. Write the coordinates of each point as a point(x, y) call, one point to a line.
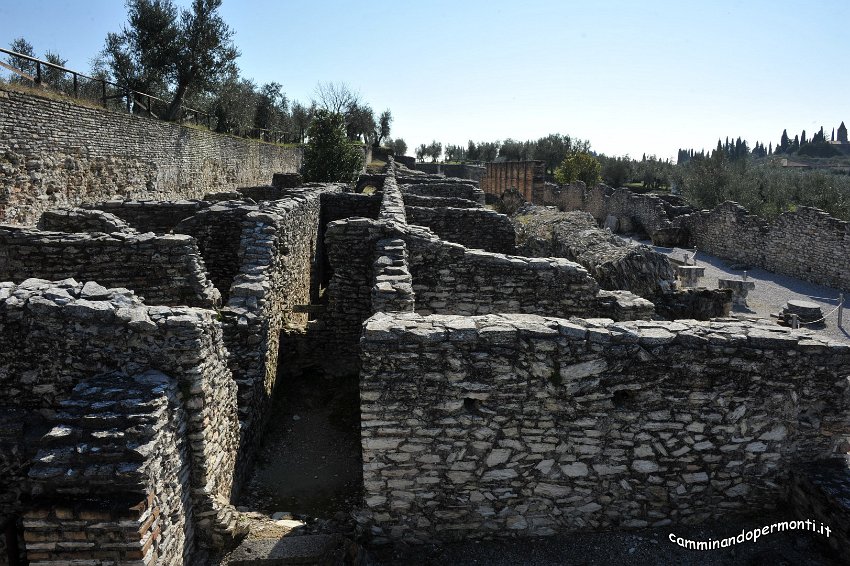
point(329, 156)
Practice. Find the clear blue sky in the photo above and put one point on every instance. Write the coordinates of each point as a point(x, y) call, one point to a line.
point(631, 77)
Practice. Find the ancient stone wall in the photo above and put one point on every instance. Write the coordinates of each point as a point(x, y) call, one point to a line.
point(264, 192)
point(165, 270)
point(217, 230)
point(808, 243)
point(339, 206)
point(634, 212)
point(449, 278)
point(528, 177)
point(517, 425)
point(613, 262)
point(819, 491)
point(477, 228)
point(123, 511)
point(445, 189)
point(63, 349)
point(393, 288)
point(411, 199)
point(159, 217)
point(81, 220)
point(392, 203)
point(445, 278)
point(58, 153)
point(459, 170)
point(278, 257)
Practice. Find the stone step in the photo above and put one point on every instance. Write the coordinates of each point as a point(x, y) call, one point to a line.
point(312, 550)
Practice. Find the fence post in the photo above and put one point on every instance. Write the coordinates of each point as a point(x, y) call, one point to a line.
point(840, 309)
point(129, 107)
point(38, 73)
point(103, 89)
point(76, 88)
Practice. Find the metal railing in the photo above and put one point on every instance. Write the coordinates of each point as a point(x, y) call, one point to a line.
point(83, 86)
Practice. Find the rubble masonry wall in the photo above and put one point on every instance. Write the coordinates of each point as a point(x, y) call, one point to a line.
point(58, 153)
point(523, 425)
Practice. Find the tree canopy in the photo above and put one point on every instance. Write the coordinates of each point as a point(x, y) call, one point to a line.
point(328, 155)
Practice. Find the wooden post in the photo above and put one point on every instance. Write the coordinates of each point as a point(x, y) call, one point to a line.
point(38, 73)
point(76, 88)
point(840, 309)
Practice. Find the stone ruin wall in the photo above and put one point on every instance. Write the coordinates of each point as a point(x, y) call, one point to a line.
point(613, 262)
point(448, 188)
point(518, 425)
point(459, 170)
point(56, 153)
point(411, 199)
point(217, 230)
point(477, 228)
point(75, 220)
point(165, 270)
point(273, 270)
point(157, 216)
point(279, 258)
point(263, 260)
point(528, 177)
point(412, 266)
point(522, 425)
point(93, 377)
point(808, 243)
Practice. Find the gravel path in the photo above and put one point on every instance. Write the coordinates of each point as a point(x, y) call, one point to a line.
point(771, 293)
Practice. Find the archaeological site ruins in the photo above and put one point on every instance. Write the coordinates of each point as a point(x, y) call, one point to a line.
point(518, 376)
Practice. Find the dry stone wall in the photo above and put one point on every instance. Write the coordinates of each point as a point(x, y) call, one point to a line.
point(446, 278)
point(81, 220)
point(449, 278)
point(159, 217)
point(808, 243)
point(459, 170)
point(122, 434)
point(522, 425)
point(56, 153)
point(277, 266)
point(217, 230)
point(62, 348)
point(613, 262)
point(393, 288)
point(445, 189)
point(411, 199)
point(477, 228)
point(165, 270)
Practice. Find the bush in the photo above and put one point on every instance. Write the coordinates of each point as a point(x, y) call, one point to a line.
point(329, 156)
point(579, 166)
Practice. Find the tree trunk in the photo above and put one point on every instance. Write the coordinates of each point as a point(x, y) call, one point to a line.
point(173, 111)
